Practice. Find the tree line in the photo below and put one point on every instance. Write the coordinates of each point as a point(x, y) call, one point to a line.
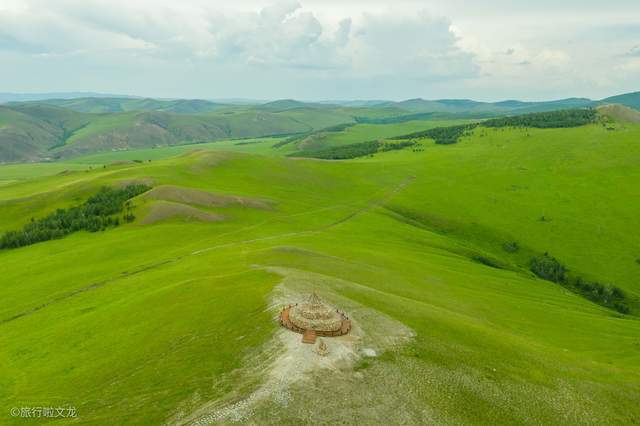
point(549, 268)
point(354, 150)
point(395, 119)
point(441, 135)
point(99, 212)
point(551, 119)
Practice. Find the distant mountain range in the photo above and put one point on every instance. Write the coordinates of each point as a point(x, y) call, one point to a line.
point(25, 97)
point(124, 104)
point(100, 103)
point(47, 129)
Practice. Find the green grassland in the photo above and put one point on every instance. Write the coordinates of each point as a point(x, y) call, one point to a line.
point(56, 129)
point(366, 132)
point(151, 321)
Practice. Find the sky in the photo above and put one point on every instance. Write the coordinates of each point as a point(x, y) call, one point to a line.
point(322, 50)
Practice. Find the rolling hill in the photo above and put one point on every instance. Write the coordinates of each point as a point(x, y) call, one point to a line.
point(171, 318)
point(36, 131)
point(62, 128)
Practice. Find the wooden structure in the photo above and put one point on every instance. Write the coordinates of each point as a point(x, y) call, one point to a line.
point(314, 318)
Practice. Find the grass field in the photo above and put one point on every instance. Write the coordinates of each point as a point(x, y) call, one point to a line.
point(173, 321)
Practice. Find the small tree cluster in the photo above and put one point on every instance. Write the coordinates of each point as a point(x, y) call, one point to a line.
point(548, 268)
point(611, 297)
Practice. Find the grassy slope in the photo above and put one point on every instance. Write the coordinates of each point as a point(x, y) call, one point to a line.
point(138, 130)
point(103, 123)
point(322, 139)
point(491, 345)
point(500, 183)
point(23, 138)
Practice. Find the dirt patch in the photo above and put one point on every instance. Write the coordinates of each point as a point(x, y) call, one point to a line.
point(294, 367)
point(202, 161)
point(369, 378)
point(164, 211)
point(204, 198)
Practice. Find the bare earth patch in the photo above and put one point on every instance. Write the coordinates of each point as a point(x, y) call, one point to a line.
point(369, 378)
point(164, 211)
point(293, 367)
point(203, 198)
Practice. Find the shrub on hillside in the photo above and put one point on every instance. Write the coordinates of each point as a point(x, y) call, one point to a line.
point(548, 268)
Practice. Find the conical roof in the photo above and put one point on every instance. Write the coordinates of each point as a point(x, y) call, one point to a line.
point(315, 315)
point(314, 299)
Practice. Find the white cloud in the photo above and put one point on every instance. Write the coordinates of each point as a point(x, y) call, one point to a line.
point(328, 48)
point(418, 46)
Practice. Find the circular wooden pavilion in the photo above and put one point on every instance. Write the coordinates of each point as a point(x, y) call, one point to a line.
point(315, 318)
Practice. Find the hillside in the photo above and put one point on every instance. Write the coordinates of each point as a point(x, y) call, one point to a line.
point(30, 135)
point(171, 318)
point(63, 128)
point(38, 131)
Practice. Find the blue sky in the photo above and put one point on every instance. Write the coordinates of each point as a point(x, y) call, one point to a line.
point(330, 49)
